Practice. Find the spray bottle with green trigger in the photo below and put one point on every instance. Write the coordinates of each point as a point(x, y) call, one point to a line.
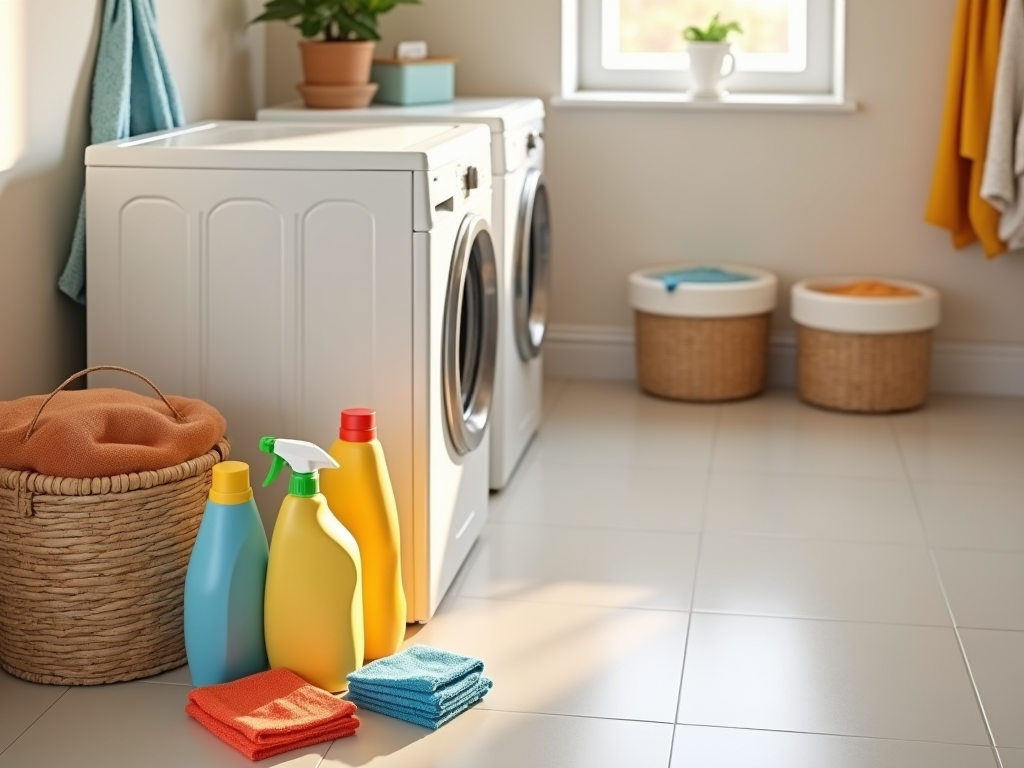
point(313, 609)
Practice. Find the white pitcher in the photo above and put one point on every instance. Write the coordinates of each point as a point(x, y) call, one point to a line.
point(707, 62)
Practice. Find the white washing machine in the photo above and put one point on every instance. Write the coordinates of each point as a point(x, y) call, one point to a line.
point(522, 227)
point(284, 272)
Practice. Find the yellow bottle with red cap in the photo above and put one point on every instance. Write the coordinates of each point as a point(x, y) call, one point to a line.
point(360, 495)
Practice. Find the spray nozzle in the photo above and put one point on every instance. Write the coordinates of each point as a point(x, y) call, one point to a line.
point(305, 460)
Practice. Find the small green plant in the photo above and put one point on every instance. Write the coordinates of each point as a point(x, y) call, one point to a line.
point(332, 19)
point(715, 32)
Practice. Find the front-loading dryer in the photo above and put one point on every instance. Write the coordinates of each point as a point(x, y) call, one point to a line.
point(522, 233)
point(284, 272)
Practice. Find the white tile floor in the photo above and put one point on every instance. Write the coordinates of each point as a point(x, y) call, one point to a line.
point(755, 585)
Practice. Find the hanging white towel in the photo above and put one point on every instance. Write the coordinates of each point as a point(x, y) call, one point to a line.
point(1003, 184)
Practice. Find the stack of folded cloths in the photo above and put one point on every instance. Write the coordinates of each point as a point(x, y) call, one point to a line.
point(421, 685)
point(270, 713)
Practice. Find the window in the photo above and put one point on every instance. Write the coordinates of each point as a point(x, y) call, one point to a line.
point(789, 47)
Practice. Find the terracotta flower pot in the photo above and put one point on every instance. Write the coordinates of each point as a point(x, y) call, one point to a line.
point(343, 62)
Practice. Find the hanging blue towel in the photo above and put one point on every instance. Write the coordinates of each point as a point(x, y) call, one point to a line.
point(421, 685)
point(674, 279)
point(132, 93)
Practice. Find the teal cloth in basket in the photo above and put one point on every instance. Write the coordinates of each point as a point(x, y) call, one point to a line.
point(674, 279)
point(421, 685)
point(132, 93)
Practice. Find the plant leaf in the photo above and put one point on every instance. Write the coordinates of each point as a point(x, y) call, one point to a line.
point(360, 26)
point(715, 32)
point(280, 10)
point(353, 19)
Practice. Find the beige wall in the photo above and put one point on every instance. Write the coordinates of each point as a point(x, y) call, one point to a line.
point(796, 193)
point(218, 67)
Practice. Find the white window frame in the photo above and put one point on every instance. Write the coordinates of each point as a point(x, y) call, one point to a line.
point(595, 72)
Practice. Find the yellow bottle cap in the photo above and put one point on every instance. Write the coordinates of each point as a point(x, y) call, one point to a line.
point(230, 483)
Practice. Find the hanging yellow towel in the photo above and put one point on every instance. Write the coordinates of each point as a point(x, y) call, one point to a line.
point(956, 203)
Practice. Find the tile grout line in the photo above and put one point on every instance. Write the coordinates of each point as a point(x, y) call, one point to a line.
point(727, 534)
point(566, 383)
point(509, 490)
point(704, 612)
point(945, 597)
point(834, 735)
point(29, 727)
point(967, 665)
point(481, 708)
point(693, 590)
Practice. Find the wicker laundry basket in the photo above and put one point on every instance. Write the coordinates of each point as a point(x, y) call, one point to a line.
point(92, 572)
point(703, 342)
point(864, 355)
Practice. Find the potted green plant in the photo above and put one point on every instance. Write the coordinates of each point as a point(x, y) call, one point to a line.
point(337, 52)
point(708, 48)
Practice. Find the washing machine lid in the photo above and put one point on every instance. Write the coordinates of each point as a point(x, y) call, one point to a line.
point(252, 145)
point(500, 115)
point(515, 124)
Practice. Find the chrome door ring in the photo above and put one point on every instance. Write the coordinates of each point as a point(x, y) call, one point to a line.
point(531, 272)
point(467, 402)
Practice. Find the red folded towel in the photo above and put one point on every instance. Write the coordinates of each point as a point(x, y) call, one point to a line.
point(270, 713)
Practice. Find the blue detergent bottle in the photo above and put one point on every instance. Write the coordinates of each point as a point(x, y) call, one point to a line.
point(224, 586)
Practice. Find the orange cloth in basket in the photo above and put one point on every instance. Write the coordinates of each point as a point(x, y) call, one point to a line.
point(105, 432)
point(271, 712)
point(870, 289)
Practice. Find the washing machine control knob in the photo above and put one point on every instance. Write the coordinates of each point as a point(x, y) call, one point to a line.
point(472, 178)
point(532, 142)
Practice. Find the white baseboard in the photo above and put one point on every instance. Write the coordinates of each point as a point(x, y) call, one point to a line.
point(595, 352)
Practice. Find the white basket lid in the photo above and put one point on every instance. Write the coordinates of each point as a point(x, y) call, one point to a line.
point(864, 314)
point(755, 296)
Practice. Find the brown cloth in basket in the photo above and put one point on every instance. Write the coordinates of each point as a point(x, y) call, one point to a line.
point(105, 432)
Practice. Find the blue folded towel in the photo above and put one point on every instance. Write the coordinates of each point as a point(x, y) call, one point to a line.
point(438, 700)
point(424, 706)
point(132, 93)
point(432, 721)
point(674, 279)
point(421, 685)
point(418, 668)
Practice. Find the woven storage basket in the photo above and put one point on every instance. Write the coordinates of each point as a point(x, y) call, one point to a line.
point(864, 355)
point(92, 572)
point(867, 373)
point(702, 359)
point(703, 342)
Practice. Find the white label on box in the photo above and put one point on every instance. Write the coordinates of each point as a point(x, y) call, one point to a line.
point(411, 49)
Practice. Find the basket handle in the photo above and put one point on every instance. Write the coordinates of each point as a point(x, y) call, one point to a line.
point(31, 427)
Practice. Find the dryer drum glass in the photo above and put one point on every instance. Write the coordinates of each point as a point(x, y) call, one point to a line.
point(470, 340)
point(540, 257)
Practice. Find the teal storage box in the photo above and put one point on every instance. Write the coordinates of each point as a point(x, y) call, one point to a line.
point(414, 81)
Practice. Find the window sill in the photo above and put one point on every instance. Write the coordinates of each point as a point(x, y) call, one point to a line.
point(738, 102)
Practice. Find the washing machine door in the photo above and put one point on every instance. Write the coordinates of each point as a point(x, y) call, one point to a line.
point(532, 269)
point(470, 335)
